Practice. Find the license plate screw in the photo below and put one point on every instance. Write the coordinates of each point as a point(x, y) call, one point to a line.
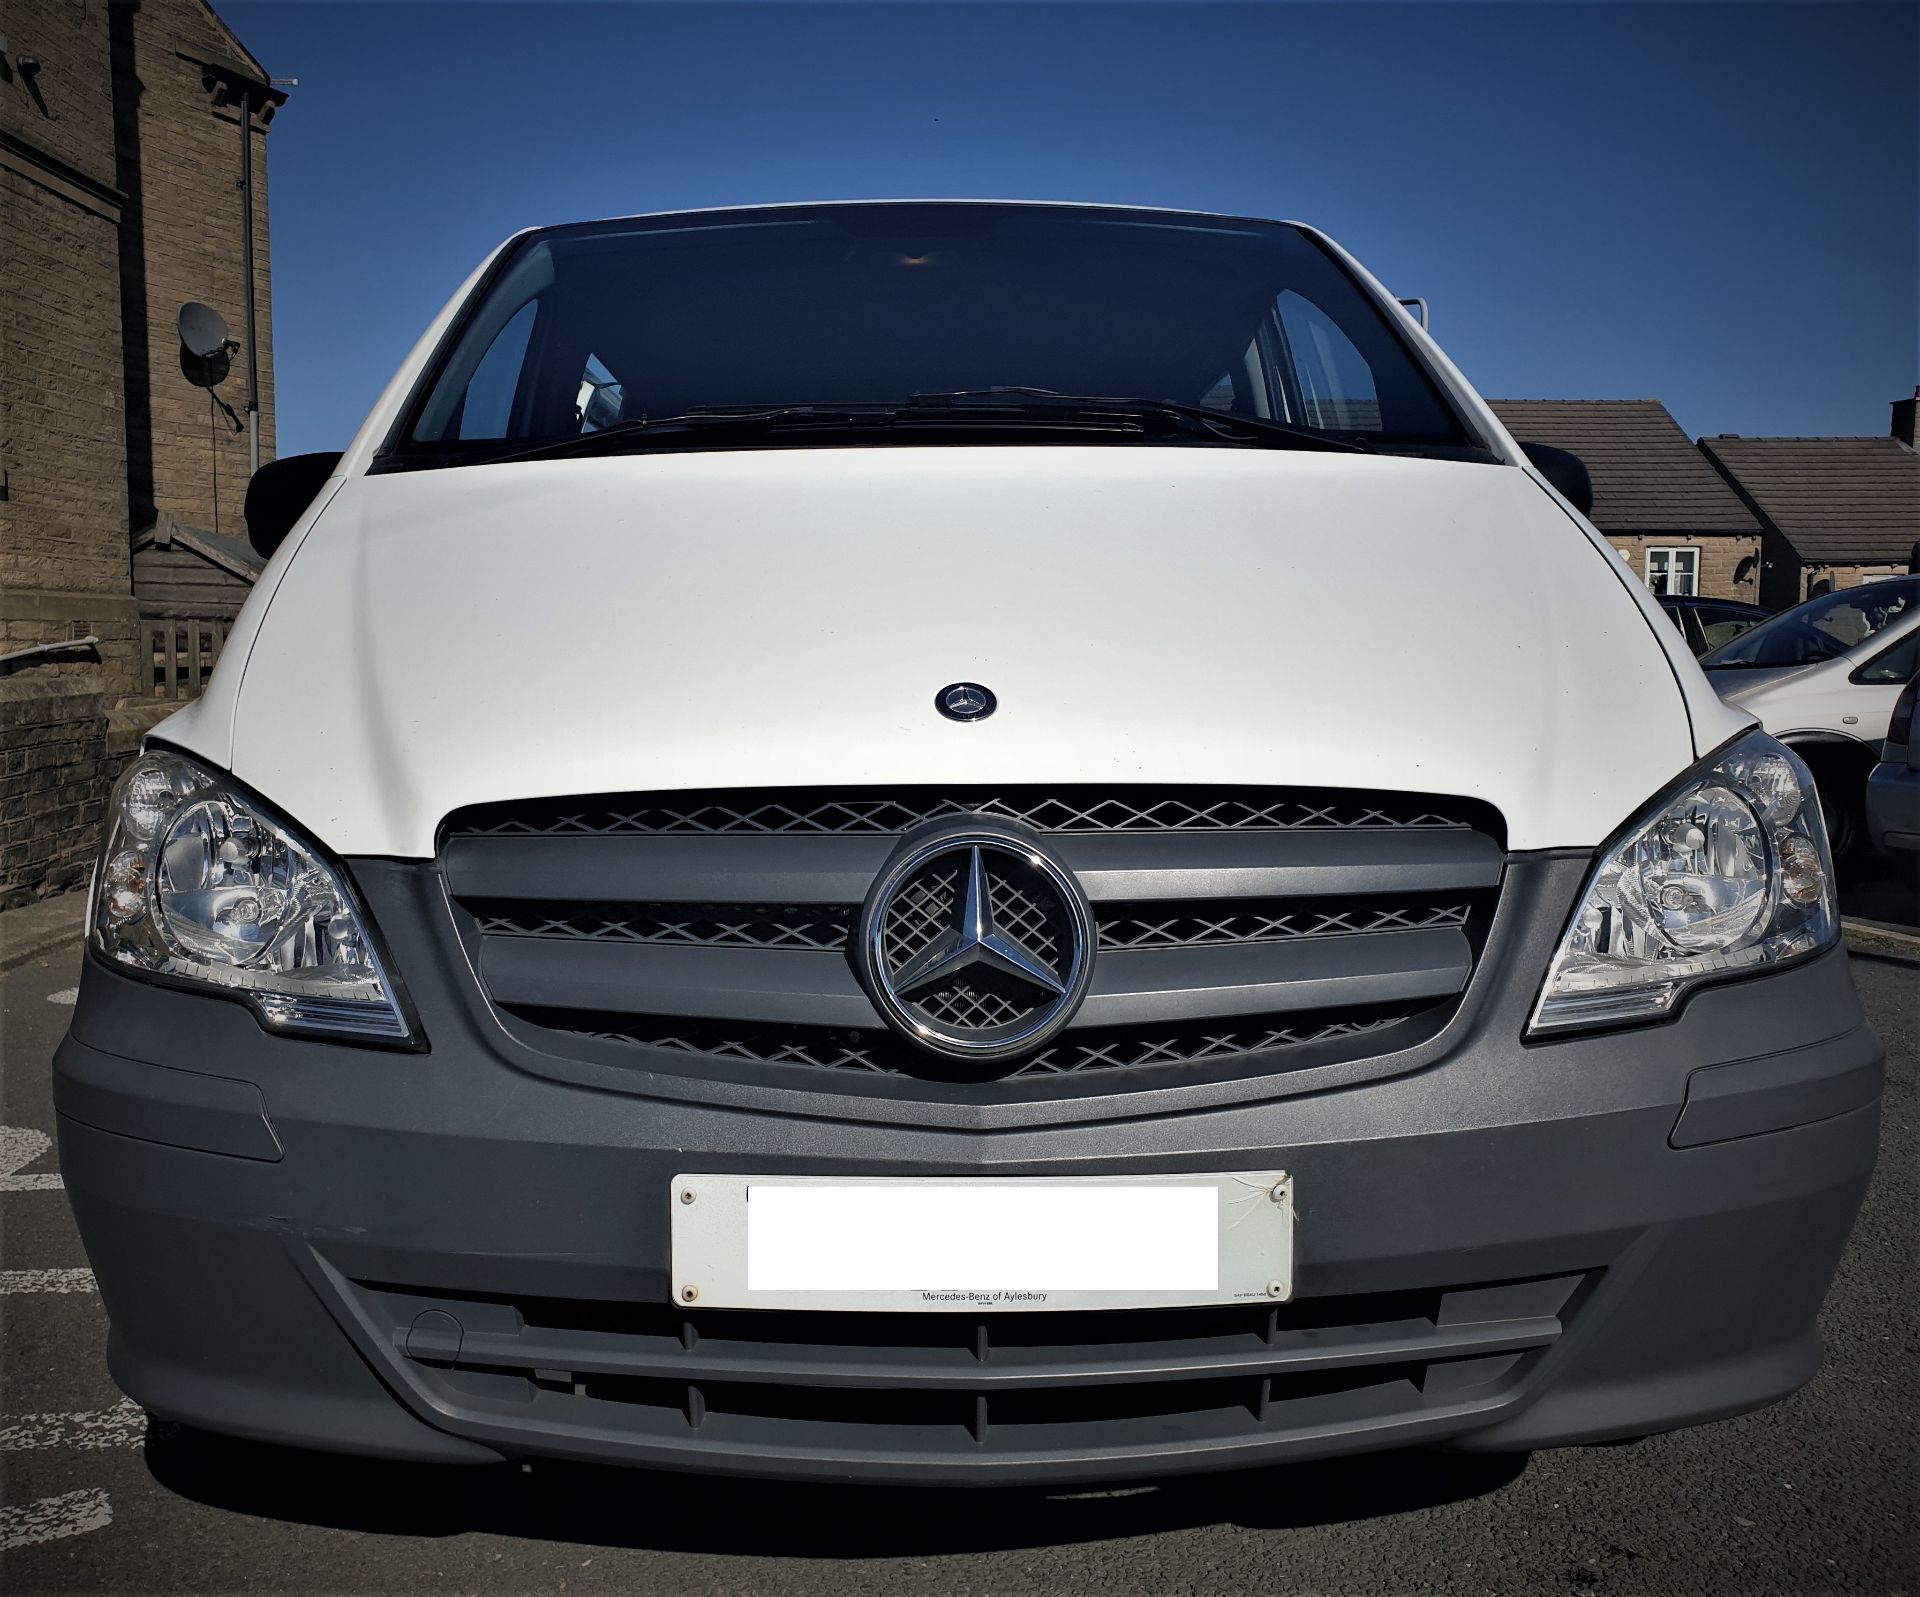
point(686, 1194)
point(1276, 1289)
point(1278, 1191)
point(689, 1293)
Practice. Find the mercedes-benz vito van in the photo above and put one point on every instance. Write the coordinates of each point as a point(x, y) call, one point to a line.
point(924, 842)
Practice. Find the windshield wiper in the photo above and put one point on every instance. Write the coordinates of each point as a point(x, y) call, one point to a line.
point(635, 431)
point(1235, 429)
point(748, 419)
point(1014, 405)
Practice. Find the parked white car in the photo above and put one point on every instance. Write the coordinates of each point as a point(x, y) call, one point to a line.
point(1823, 677)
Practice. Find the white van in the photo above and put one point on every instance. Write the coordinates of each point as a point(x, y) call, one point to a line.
point(918, 842)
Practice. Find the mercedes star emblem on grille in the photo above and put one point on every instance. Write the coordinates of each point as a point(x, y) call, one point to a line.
point(965, 701)
point(976, 943)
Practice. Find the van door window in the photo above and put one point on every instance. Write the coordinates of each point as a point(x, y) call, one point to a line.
point(487, 409)
point(1336, 386)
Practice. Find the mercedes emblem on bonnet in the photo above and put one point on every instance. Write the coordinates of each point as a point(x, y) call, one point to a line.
point(965, 701)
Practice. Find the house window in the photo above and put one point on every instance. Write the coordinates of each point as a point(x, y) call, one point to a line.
point(1674, 571)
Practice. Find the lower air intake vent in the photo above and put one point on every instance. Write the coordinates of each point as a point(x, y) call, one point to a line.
point(647, 1381)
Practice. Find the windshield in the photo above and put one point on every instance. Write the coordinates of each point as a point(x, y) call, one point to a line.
point(1821, 629)
point(579, 329)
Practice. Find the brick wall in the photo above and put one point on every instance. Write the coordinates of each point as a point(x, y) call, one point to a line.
point(118, 201)
point(64, 568)
point(53, 784)
point(1720, 558)
point(182, 157)
point(63, 109)
point(63, 523)
point(33, 618)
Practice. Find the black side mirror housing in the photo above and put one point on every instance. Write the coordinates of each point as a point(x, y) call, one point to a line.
point(278, 495)
point(1566, 471)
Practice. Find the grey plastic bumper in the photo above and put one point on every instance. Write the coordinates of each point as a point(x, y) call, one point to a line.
point(248, 1202)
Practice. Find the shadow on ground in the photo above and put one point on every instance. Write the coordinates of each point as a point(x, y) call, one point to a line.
point(609, 1507)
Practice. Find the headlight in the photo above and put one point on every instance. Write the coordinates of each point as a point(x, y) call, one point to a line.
point(200, 884)
point(1727, 873)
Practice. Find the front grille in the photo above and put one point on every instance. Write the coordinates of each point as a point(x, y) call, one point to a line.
point(1237, 930)
point(1076, 809)
point(963, 1386)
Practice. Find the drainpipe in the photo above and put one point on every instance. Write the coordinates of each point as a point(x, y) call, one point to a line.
point(246, 244)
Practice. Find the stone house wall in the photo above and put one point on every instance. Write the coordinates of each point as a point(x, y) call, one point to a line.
point(1721, 555)
point(118, 201)
point(180, 163)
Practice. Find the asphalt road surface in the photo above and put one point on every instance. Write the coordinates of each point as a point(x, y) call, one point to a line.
point(1814, 1495)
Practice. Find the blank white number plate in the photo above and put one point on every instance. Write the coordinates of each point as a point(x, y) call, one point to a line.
point(981, 1242)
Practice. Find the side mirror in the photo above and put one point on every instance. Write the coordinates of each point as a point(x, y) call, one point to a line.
point(1567, 472)
point(279, 494)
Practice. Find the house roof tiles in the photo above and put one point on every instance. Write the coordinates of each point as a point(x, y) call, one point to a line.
point(1647, 475)
point(1838, 501)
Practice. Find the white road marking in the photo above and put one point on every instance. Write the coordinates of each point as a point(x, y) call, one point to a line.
point(19, 1147)
point(12, 1281)
point(123, 1425)
point(66, 998)
point(51, 1519)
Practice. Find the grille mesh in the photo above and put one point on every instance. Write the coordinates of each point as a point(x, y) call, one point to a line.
point(1020, 916)
point(879, 1053)
point(1142, 809)
point(1225, 921)
point(819, 926)
point(924, 909)
point(828, 926)
point(968, 1007)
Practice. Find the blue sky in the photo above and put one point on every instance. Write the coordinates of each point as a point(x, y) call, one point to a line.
point(1709, 204)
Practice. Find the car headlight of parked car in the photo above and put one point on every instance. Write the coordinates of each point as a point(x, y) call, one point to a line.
point(201, 885)
point(1726, 873)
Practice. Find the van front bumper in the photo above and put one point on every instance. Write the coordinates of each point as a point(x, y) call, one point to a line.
point(458, 1255)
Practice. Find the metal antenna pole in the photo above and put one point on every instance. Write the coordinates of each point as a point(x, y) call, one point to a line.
point(213, 450)
point(246, 223)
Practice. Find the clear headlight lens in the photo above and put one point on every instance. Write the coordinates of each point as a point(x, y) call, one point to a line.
point(1729, 872)
point(200, 884)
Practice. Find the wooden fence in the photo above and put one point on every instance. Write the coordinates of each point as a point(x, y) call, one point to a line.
point(181, 651)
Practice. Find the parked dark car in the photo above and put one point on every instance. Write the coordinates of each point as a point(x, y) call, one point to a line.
point(1708, 623)
point(1893, 787)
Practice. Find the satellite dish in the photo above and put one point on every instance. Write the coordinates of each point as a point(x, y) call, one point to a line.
point(201, 329)
point(206, 353)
